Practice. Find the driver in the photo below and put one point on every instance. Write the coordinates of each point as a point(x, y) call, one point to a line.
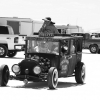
point(48, 27)
point(42, 47)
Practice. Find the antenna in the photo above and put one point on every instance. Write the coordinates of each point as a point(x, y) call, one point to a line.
point(76, 21)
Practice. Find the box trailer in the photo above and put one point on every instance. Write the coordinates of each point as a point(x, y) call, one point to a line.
point(22, 26)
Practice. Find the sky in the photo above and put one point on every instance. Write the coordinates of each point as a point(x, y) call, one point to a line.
point(84, 13)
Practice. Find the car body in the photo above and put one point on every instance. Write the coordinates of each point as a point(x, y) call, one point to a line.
point(50, 58)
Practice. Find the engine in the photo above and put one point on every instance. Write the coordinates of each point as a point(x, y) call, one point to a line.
point(43, 62)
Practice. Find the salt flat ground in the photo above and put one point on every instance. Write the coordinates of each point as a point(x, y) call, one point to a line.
point(67, 88)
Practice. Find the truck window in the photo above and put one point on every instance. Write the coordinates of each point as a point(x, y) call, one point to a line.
point(4, 30)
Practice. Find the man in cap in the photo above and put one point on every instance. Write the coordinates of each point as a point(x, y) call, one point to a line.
point(48, 27)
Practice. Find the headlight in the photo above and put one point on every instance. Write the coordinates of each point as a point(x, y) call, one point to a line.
point(15, 68)
point(37, 70)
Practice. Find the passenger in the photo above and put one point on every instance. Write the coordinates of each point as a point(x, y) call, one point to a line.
point(48, 27)
point(72, 49)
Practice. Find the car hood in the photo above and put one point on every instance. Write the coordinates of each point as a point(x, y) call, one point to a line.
point(28, 63)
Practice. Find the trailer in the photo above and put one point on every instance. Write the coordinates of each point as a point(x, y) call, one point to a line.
point(68, 29)
point(22, 26)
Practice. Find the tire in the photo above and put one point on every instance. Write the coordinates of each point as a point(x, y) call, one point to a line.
point(99, 51)
point(80, 73)
point(3, 50)
point(52, 78)
point(11, 53)
point(4, 75)
point(93, 49)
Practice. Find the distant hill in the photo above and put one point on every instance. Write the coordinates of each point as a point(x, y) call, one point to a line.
point(97, 30)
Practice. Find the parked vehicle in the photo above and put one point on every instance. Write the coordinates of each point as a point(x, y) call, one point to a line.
point(68, 29)
point(10, 44)
point(47, 59)
point(93, 44)
point(22, 26)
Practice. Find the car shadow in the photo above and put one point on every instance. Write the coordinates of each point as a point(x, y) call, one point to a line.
point(43, 85)
point(86, 53)
point(13, 57)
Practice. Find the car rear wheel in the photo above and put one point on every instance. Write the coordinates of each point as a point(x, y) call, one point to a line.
point(3, 50)
point(11, 53)
point(93, 49)
point(99, 51)
point(4, 75)
point(80, 73)
point(52, 78)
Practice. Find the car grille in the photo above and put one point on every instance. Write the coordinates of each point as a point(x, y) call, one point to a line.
point(27, 66)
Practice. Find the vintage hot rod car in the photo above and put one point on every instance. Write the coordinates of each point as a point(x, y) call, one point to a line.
point(47, 59)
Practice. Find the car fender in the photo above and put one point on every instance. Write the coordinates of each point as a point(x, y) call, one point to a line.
point(78, 63)
point(3, 42)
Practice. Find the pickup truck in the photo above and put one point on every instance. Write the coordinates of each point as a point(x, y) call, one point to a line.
point(10, 43)
point(93, 44)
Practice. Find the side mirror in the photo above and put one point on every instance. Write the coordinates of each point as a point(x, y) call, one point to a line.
point(64, 49)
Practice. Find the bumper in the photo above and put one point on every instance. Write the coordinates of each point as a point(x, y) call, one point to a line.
point(28, 77)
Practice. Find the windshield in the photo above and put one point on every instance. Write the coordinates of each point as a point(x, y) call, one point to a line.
point(36, 46)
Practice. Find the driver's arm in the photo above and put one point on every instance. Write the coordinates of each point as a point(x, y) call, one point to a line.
point(55, 30)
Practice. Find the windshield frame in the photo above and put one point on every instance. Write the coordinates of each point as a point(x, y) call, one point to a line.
point(29, 41)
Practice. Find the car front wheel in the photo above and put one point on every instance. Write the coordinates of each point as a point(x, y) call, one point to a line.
point(4, 75)
point(99, 51)
point(80, 73)
point(52, 78)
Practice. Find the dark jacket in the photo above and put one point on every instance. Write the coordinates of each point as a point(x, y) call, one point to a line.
point(48, 27)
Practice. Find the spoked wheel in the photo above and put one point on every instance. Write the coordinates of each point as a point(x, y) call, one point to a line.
point(93, 49)
point(80, 73)
point(52, 78)
point(4, 75)
point(3, 51)
point(11, 53)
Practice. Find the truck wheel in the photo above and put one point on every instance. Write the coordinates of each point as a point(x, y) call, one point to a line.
point(80, 73)
point(3, 50)
point(4, 75)
point(52, 78)
point(93, 49)
point(11, 53)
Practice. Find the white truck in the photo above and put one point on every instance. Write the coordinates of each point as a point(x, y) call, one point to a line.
point(22, 26)
point(16, 29)
point(10, 43)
